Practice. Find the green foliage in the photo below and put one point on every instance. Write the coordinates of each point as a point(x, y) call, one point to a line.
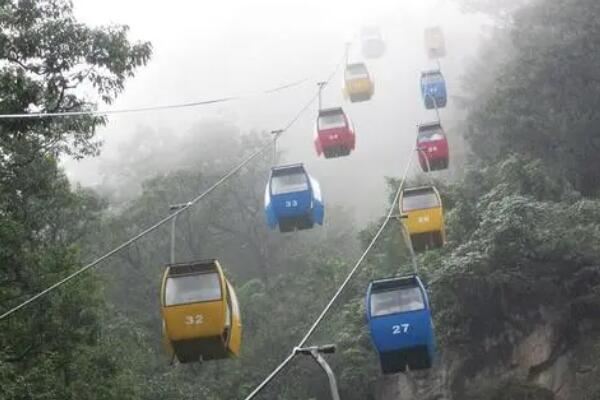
point(523, 254)
point(46, 57)
point(55, 348)
point(543, 103)
point(523, 225)
point(283, 281)
point(502, 10)
point(524, 222)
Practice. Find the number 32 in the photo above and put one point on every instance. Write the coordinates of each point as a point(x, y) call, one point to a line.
point(194, 319)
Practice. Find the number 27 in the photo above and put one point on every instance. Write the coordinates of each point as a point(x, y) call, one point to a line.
point(398, 329)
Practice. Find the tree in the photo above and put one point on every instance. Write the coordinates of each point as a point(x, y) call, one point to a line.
point(52, 348)
point(543, 102)
point(502, 12)
point(46, 57)
point(282, 281)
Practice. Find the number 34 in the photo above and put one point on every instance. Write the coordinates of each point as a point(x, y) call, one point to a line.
point(399, 329)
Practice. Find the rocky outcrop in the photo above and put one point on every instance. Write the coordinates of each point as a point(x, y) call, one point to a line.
point(538, 365)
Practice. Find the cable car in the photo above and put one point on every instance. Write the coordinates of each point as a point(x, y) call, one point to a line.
point(435, 45)
point(293, 199)
point(334, 133)
point(358, 85)
point(200, 312)
point(399, 318)
point(433, 89)
point(423, 217)
point(433, 147)
point(373, 45)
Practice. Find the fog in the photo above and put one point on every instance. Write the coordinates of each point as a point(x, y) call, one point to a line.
point(205, 50)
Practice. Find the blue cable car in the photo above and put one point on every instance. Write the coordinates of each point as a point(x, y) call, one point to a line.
point(433, 88)
point(400, 322)
point(293, 199)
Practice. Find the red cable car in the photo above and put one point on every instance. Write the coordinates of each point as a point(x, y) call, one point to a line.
point(334, 134)
point(433, 147)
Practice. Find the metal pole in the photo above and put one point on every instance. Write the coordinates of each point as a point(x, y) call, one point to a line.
point(437, 111)
point(172, 258)
point(330, 375)
point(347, 51)
point(321, 86)
point(413, 256)
point(174, 207)
point(276, 134)
point(426, 161)
point(315, 352)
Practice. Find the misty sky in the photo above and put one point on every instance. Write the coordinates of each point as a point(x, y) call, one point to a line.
point(212, 49)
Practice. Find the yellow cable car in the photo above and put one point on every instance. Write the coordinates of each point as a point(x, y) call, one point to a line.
point(423, 215)
point(358, 85)
point(200, 312)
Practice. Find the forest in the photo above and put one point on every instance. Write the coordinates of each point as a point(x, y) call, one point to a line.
point(515, 292)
